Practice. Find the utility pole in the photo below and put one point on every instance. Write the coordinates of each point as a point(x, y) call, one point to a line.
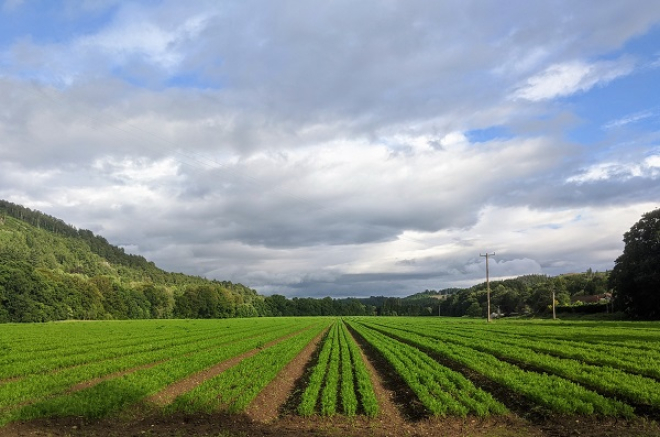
point(554, 311)
point(488, 282)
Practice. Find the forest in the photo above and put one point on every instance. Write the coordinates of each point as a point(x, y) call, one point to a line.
point(50, 270)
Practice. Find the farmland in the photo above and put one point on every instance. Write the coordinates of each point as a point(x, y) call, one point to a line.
point(367, 375)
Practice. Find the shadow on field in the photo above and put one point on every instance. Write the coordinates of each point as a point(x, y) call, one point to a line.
point(221, 425)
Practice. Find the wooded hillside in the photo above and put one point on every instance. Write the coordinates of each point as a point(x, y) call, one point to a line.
point(52, 271)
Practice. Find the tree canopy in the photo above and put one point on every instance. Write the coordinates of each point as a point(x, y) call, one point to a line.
point(636, 274)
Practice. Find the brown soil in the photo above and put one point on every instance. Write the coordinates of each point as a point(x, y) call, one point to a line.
point(167, 396)
point(12, 379)
point(290, 426)
point(385, 397)
point(269, 403)
point(403, 403)
point(92, 382)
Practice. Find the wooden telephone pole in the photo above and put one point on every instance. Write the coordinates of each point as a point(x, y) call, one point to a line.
point(554, 309)
point(488, 281)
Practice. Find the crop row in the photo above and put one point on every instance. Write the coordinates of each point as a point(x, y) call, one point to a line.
point(628, 335)
point(37, 340)
point(441, 390)
point(234, 389)
point(606, 379)
point(553, 392)
point(640, 362)
point(614, 353)
point(68, 343)
point(339, 377)
point(108, 350)
point(168, 366)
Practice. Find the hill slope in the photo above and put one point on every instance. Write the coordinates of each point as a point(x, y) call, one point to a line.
point(52, 271)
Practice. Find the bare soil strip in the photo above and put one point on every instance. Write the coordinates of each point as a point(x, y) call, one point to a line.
point(268, 405)
point(12, 379)
point(241, 426)
point(92, 382)
point(404, 403)
point(388, 410)
point(167, 396)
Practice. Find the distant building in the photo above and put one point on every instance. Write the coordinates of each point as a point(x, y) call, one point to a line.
point(593, 298)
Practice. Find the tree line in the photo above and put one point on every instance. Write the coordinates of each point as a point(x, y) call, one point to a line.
point(52, 271)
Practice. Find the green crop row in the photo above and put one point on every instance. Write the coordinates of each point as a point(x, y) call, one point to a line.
point(631, 360)
point(330, 389)
point(634, 359)
point(70, 345)
point(628, 335)
point(116, 393)
point(349, 399)
point(365, 388)
point(35, 387)
point(339, 378)
point(556, 393)
point(235, 388)
point(616, 382)
point(106, 350)
point(42, 340)
point(310, 395)
point(442, 391)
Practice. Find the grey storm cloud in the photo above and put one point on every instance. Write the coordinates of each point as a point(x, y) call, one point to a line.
point(325, 149)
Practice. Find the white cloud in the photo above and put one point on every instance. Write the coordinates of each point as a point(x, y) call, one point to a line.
point(649, 167)
point(631, 118)
point(331, 153)
point(139, 37)
point(653, 161)
point(561, 80)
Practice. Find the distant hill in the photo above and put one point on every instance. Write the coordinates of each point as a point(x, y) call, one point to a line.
point(50, 270)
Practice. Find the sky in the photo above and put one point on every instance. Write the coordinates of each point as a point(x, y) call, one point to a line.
point(337, 148)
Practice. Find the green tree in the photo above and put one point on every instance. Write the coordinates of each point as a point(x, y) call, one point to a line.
point(474, 310)
point(636, 274)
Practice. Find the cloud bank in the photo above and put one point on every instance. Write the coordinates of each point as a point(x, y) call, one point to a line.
point(343, 149)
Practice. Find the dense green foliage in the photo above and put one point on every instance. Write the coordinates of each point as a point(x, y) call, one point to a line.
point(636, 274)
point(526, 295)
point(52, 271)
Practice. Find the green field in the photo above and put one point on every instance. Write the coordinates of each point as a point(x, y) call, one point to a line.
point(451, 368)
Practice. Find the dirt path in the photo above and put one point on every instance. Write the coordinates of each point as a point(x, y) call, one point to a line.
point(92, 382)
point(171, 392)
point(385, 397)
point(268, 404)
